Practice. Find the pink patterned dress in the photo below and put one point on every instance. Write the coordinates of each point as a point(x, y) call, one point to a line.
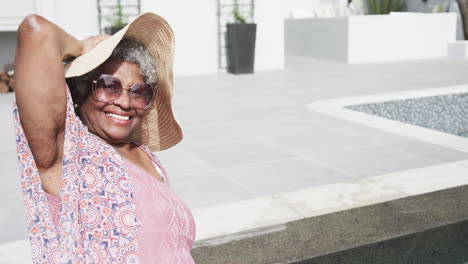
point(103, 214)
point(168, 230)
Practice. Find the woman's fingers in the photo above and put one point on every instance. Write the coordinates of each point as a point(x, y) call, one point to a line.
point(91, 42)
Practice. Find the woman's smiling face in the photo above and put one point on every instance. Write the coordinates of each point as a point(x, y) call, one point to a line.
point(114, 122)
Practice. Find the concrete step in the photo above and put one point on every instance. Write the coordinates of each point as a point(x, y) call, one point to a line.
point(446, 244)
point(404, 226)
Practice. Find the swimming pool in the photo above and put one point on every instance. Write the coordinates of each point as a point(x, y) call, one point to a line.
point(436, 115)
point(445, 113)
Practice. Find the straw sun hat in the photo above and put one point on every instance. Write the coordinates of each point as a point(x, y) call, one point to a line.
point(159, 130)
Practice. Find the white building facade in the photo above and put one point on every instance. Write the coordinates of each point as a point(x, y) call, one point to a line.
point(194, 23)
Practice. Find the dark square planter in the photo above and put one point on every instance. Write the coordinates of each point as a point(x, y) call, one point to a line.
point(240, 43)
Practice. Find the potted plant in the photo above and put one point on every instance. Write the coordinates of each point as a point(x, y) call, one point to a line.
point(117, 19)
point(383, 7)
point(240, 43)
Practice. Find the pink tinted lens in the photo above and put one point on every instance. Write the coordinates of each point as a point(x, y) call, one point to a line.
point(108, 88)
point(141, 95)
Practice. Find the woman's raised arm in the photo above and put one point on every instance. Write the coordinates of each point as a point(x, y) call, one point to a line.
point(40, 84)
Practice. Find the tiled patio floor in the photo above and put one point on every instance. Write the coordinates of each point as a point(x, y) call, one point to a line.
point(252, 135)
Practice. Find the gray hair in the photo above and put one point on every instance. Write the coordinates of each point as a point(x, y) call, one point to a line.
point(132, 51)
point(128, 50)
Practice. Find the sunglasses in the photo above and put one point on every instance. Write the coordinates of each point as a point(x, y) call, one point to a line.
point(107, 88)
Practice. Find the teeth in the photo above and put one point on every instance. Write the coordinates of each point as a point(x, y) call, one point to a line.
point(118, 116)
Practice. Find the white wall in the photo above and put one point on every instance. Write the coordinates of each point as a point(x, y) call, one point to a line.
point(80, 18)
point(382, 38)
point(195, 27)
point(376, 38)
point(11, 13)
point(419, 6)
point(317, 37)
point(269, 51)
point(194, 24)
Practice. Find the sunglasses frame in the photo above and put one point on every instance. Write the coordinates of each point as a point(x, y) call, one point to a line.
point(94, 84)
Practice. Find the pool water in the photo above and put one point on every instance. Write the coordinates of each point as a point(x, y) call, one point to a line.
point(445, 113)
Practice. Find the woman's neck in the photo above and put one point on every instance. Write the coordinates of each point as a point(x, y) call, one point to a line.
point(124, 147)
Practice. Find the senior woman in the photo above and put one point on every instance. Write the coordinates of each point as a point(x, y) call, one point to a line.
point(94, 192)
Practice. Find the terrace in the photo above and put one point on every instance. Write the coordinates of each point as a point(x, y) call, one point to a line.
point(256, 160)
point(308, 160)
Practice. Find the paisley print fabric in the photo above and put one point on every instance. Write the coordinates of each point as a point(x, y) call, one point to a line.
point(97, 222)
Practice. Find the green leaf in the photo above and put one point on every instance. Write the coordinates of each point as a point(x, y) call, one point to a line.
point(238, 17)
point(386, 6)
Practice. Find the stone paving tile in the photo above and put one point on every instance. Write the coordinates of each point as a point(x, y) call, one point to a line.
point(211, 133)
point(372, 161)
point(179, 162)
point(360, 132)
point(428, 151)
point(242, 152)
point(207, 189)
point(12, 217)
point(279, 176)
point(9, 161)
point(316, 142)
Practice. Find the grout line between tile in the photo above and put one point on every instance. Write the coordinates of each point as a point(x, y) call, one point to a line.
point(321, 163)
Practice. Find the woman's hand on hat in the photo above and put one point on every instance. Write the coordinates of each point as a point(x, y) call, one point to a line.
point(90, 42)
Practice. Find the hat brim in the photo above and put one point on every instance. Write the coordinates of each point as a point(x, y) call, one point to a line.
point(102, 51)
